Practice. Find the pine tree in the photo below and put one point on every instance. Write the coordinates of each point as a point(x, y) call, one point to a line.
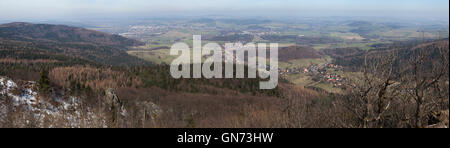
point(44, 81)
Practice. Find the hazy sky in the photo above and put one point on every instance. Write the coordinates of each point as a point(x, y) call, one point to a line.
point(46, 9)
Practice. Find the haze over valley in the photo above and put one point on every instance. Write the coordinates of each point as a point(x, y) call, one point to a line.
point(346, 64)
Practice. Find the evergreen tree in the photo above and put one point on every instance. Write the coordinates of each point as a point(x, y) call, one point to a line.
point(44, 81)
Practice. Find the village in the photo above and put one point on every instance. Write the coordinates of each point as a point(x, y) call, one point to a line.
point(324, 73)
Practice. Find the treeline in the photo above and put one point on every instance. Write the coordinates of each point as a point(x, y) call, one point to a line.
point(353, 58)
point(99, 79)
point(67, 52)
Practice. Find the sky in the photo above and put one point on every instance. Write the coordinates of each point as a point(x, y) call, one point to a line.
point(46, 9)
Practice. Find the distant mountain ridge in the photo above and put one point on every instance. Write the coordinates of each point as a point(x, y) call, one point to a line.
point(61, 33)
point(94, 46)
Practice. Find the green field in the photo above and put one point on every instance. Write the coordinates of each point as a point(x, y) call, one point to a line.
point(347, 32)
point(154, 56)
point(299, 63)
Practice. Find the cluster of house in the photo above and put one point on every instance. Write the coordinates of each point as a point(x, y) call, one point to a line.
point(335, 79)
point(260, 33)
point(320, 72)
point(337, 67)
point(313, 68)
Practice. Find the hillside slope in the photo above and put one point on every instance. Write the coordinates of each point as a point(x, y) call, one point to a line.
point(298, 52)
point(61, 33)
point(75, 42)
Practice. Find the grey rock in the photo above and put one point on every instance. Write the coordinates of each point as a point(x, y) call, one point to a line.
point(150, 109)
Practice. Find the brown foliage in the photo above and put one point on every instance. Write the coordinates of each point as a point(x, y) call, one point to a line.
point(96, 78)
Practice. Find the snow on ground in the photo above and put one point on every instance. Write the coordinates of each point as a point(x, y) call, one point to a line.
point(6, 85)
point(27, 96)
point(67, 108)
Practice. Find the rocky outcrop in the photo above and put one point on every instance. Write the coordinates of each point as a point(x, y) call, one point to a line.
point(150, 110)
point(111, 97)
point(21, 106)
point(19, 95)
point(146, 109)
point(114, 103)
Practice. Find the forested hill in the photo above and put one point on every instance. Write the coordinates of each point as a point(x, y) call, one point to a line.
point(62, 33)
point(94, 46)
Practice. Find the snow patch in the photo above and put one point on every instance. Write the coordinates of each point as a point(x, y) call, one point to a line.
point(67, 108)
